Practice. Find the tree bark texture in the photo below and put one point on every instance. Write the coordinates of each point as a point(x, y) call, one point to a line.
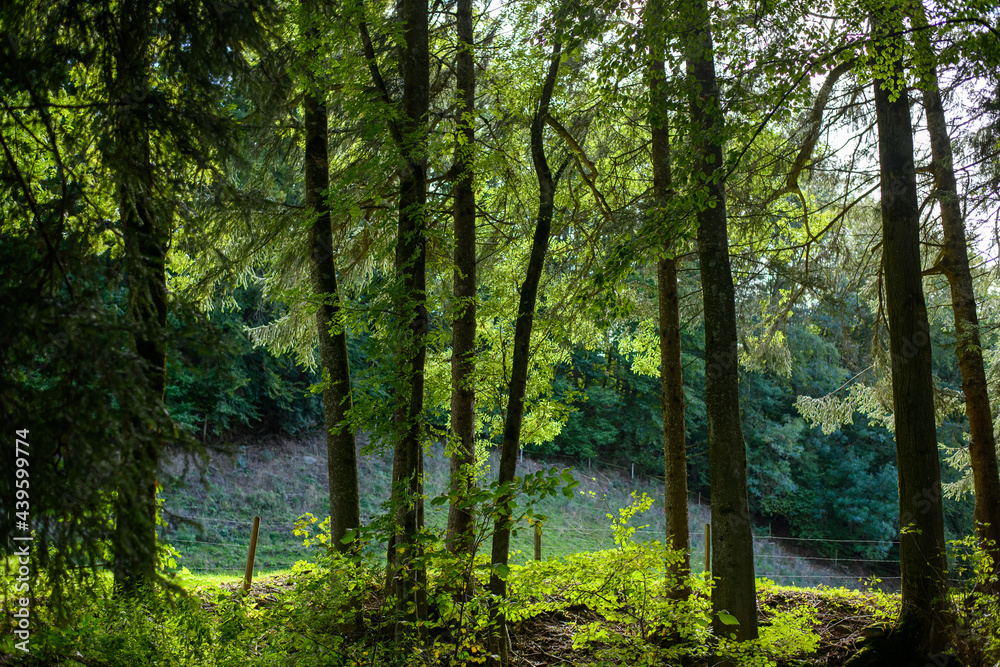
point(921, 542)
point(732, 540)
point(463, 395)
point(954, 264)
point(411, 267)
point(342, 462)
point(146, 238)
point(671, 378)
point(522, 354)
point(674, 445)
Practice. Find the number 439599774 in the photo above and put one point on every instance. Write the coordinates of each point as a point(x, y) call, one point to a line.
point(21, 505)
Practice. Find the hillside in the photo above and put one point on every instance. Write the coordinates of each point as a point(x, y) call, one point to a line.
point(281, 479)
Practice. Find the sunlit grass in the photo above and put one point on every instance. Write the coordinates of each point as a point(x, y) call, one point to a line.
point(281, 480)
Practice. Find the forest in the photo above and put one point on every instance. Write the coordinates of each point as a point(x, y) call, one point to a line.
point(747, 249)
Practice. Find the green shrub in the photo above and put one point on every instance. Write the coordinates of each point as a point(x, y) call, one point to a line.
point(975, 608)
point(161, 629)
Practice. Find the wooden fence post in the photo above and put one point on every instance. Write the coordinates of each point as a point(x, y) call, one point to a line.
point(248, 575)
point(708, 548)
point(538, 541)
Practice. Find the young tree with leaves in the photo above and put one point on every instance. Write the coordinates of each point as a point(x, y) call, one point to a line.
point(463, 347)
point(547, 181)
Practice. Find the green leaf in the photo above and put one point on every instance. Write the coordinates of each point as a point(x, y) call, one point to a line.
point(728, 618)
point(501, 570)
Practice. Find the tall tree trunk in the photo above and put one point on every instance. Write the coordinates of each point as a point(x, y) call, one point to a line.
point(411, 264)
point(342, 463)
point(921, 541)
point(732, 540)
point(146, 239)
point(674, 446)
point(522, 352)
point(463, 395)
point(954, 264)
point(671, 377)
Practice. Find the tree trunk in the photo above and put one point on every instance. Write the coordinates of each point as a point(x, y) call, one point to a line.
point(732, 540)
point(463, 395)
point(954, 264)
point(674, 446)
point(671, 377)
point(345, 513)
point(411, 266)
point(522, 352)
point(146, 238)
point(921, 542)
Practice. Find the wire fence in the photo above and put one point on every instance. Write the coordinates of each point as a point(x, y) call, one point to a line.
point(279, 548)
point(219, 543)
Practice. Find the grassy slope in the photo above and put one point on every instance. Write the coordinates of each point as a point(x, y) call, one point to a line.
point(282, 479)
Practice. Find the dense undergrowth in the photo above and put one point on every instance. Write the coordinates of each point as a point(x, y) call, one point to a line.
point(605, 608)
point(613, 606)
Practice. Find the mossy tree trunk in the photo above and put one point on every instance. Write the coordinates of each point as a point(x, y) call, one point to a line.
point(463, 395)
point(674, 445)
point(411, 260)
point(671, 377)
point(342, 463)
point(732, 540)
point(921, 542)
